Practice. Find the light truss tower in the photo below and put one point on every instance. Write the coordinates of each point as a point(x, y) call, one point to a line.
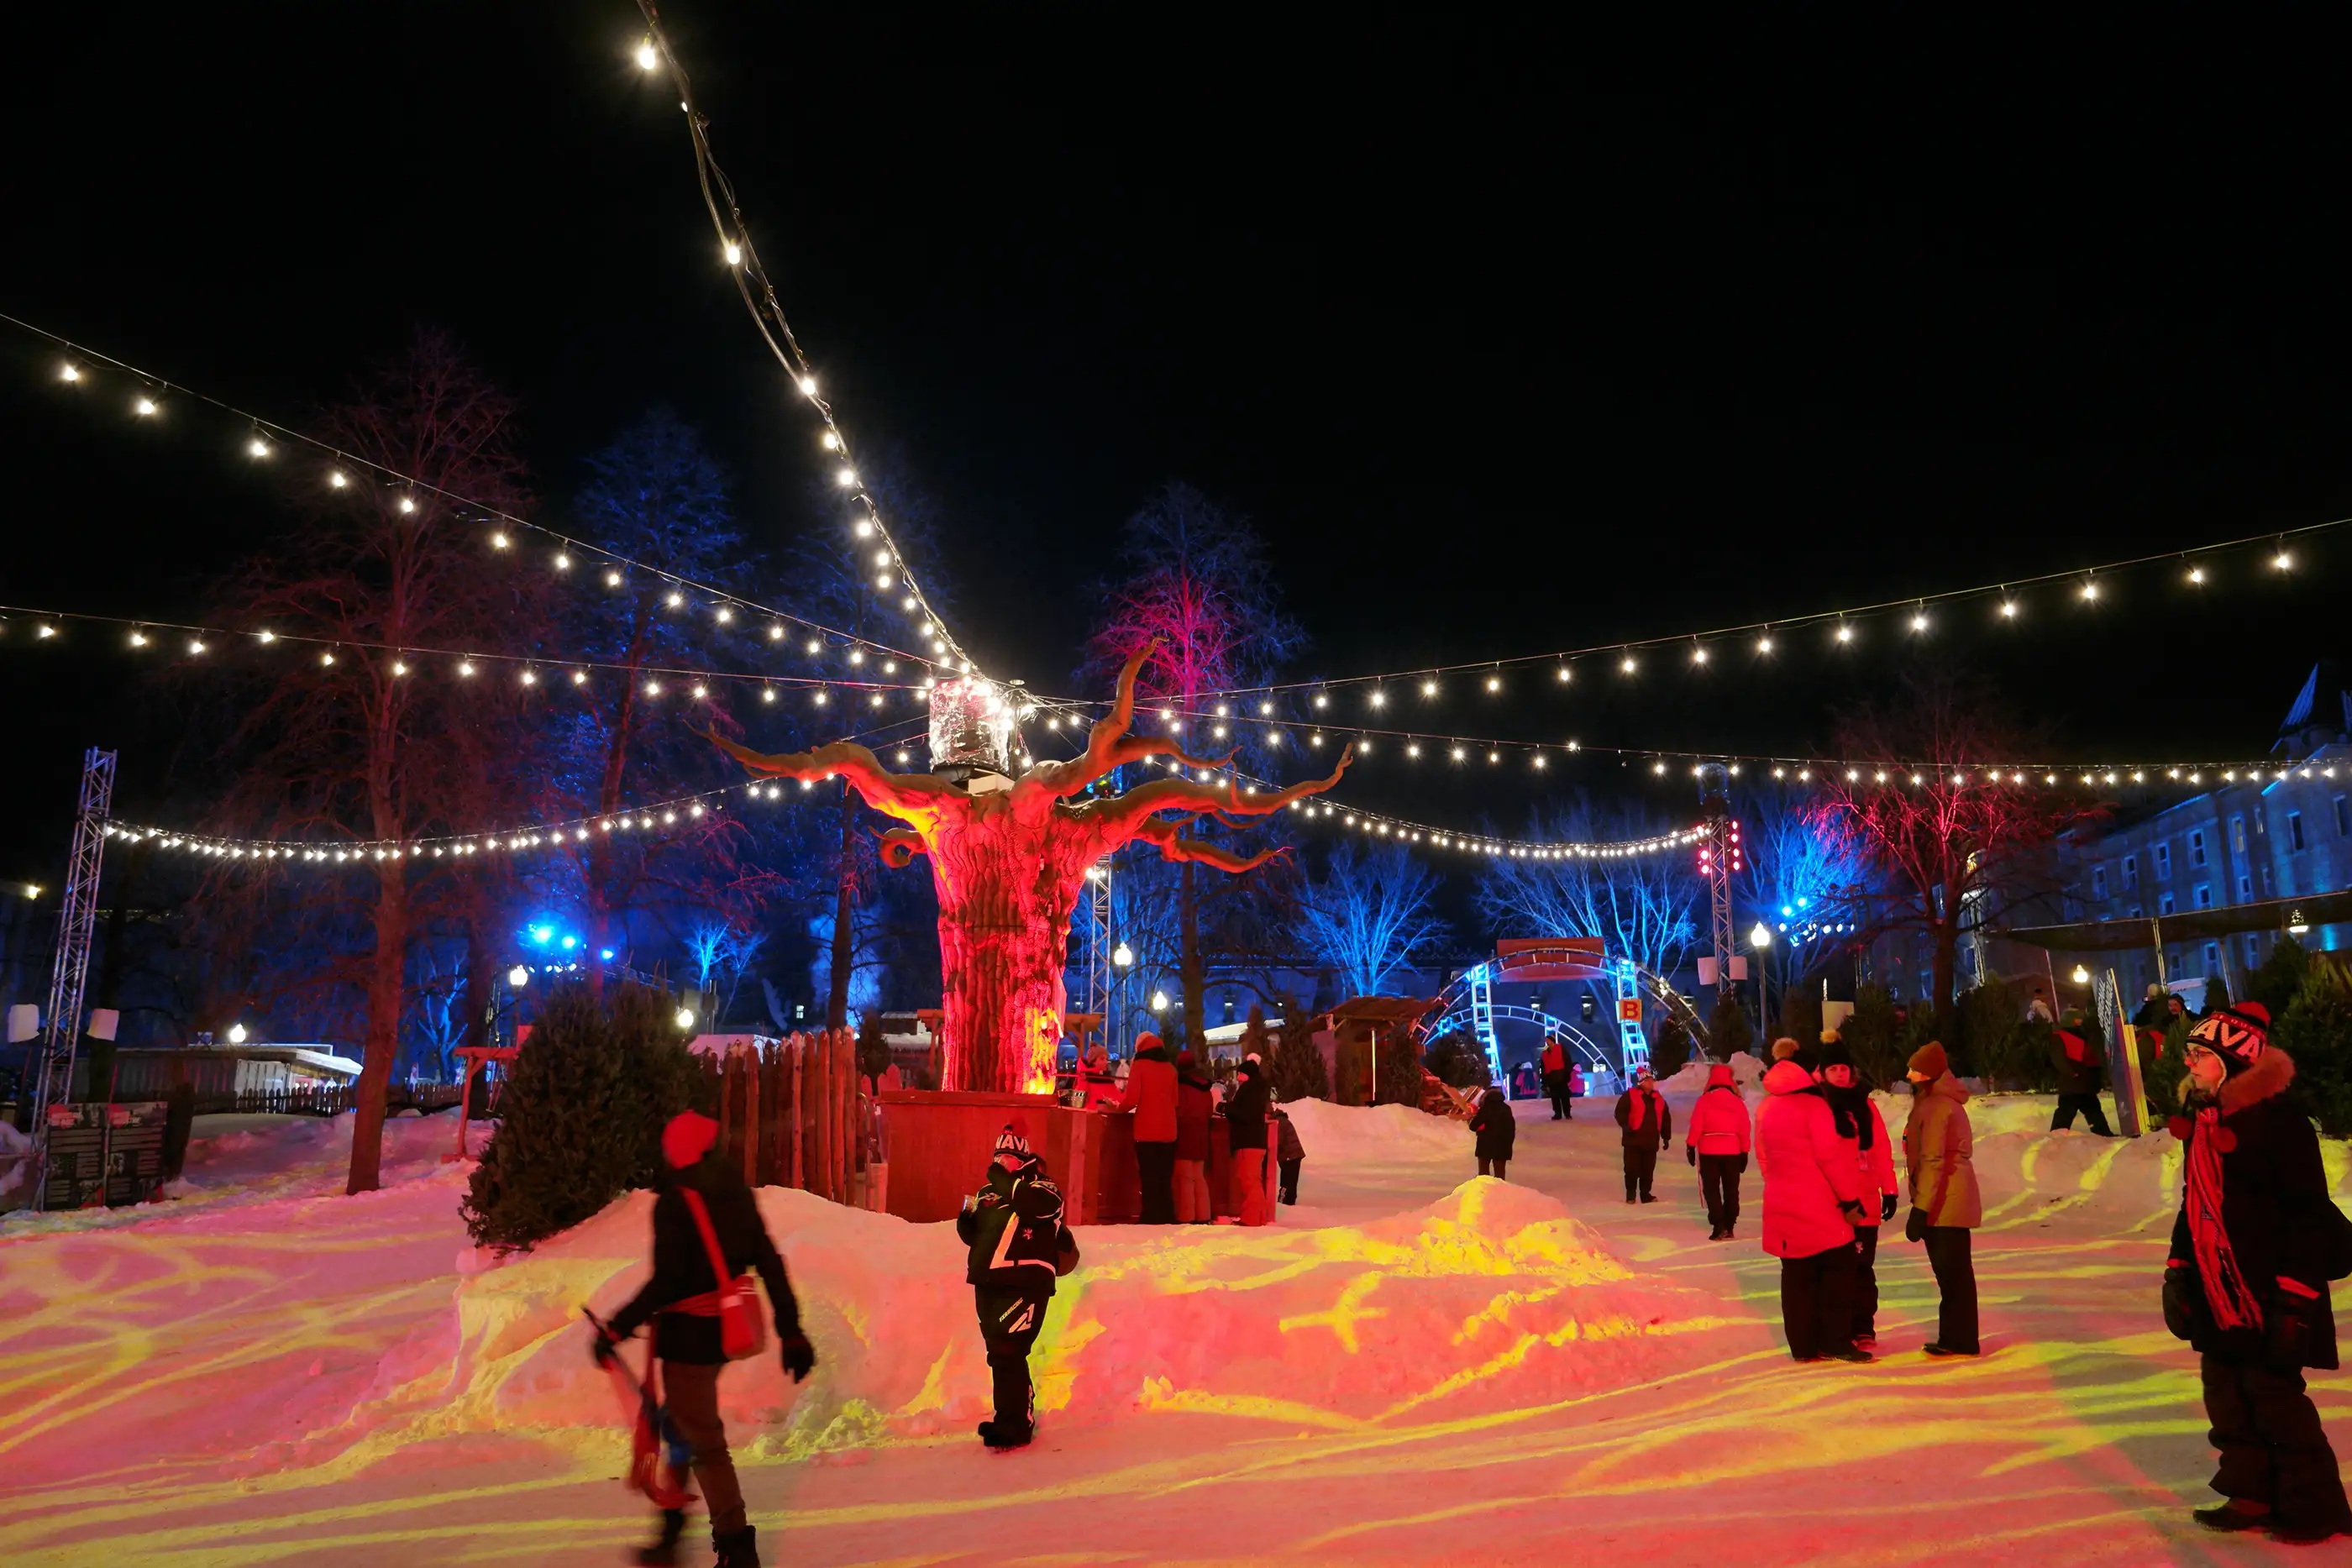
point(1633, 1045)
point(1718, 856)
point(76, 924)
point(1093, 920)
point(1482, 1018)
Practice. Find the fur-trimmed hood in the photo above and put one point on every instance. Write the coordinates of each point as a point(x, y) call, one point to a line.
point(2271, 1075)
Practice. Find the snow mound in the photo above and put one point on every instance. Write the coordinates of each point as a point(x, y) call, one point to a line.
point(1690, 1078)
point(1374, 1135)
point(1490, 1298)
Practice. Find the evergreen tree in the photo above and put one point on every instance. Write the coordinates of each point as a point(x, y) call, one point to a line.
point(2280, 980)
point(1670, 1047)
point(1457, 1062)
point(1873, 1035)
point(2161, 1072)
point(581, 1115)
point(2317, 1033)
point(1299, 1073)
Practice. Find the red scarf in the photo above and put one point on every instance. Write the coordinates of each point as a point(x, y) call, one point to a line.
point(2234, 1304)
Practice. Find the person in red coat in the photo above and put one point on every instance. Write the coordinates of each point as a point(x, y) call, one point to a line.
point(1194, 1104)
point(1150, 1098)
point(1716, 1143)
point(1860, 1124)
point(1813, 1199)
point(1554, 1076)
point(1649, 1127)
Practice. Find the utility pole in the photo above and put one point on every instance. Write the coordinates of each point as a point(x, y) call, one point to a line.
point(76, 924)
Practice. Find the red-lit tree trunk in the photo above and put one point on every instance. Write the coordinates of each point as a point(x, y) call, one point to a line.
point(1008, 865)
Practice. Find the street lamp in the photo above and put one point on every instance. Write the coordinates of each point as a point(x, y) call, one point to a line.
point(1760, 938)
point(686, 1018)
point(1122, 955)
point(2081, 977)
point(1159, 1001)
point(236, 1034)
point(517, 976)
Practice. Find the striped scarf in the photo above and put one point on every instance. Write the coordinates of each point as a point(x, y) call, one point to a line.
point(2226, 1291)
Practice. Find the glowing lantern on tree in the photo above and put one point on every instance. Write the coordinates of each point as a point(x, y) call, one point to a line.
point(1009, 852)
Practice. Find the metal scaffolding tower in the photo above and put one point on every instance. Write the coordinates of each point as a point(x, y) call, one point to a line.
point(76, 924)
point(1718, 857)
point(1093, 920)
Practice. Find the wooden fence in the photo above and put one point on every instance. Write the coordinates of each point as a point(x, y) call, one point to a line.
point(326, 1100)
point(793, 1112)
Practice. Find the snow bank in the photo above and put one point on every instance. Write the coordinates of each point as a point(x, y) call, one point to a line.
point(1374, 1135)
point(1690, 1078)
point(1491, 1298)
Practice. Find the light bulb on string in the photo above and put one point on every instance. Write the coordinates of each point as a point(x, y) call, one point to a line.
point(2283, 560)
point(1764, 643)
point(808, 386)
point(256, 447)
point(337, 478)
point(2196, 577)
point(1919, 620)
point(68, 372)
point(144, 408)
point(408, 504)
point(2090, 590)
point(1845, 633)
point(733, 253)
point(646, 59)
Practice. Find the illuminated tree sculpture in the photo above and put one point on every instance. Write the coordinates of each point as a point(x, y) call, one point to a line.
point(1008, 856)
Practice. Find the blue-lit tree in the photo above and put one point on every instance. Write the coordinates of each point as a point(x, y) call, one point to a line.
point(1369, 914)
point(1798, 880)
point(1643, 907)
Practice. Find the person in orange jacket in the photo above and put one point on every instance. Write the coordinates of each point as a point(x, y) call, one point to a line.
point(1150, 1098)
point(1716, 1143)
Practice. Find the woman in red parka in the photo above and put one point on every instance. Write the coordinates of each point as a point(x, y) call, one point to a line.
point(1813, 1199)
point(1193, 1104)
point(1716, 1143)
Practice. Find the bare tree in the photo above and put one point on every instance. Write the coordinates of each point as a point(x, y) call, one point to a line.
point(1644, 907)
point(1369, 914)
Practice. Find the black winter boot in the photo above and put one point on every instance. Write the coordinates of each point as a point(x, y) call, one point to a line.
point(738, 1549)
point(664, 1549)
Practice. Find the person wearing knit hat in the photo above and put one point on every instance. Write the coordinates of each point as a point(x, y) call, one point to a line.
point(1855, 1116)
point(1016, 1247)
point(1813, 1201)
point(704, 1210)
point(2246, 1284)
point(1647, 1125)
point(1939, 1154)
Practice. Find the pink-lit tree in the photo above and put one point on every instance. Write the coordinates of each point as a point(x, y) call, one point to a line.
point(1946, 843)
point(1008, 864)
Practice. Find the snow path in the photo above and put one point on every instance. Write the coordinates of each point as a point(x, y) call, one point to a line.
point(269, 1376)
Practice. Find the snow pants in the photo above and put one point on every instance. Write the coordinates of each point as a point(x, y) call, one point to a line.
point(1718, 1184)
point(1817, 1301)
point(692, 1392)
point(1955, 1282)
point(1155, 1164)
point(1192, 1193)
point(2088, 1105)
point(1865, 1281)
point(1556, 1087)
point(1249, 1186)
point(1640, 1170)
point(1290, 1170)
point(1008, 1327)
point(2273, 1447)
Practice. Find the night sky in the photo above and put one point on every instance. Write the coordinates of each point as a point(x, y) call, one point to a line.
point(1507, 338)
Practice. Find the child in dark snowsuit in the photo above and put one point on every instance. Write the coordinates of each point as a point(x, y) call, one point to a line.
point(1497, 1130)
point(1289, 1154)
point(681, 1299)
point(1019, 1247)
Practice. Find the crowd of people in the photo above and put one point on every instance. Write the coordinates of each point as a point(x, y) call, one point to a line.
point(2255, 1244)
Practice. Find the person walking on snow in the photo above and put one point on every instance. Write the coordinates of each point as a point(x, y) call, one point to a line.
point(1649, 1127)
point(1939, 1151)
point(1859, 1124)
point(2254, 1244)
point(1151, 1097)
point(1497, 1130)
point(1289, 1155)
point(1018, 1248)
point(1575, 1088)
point(703, 1208)
point(1813, 1201)
point(2074, 1051)
point(1555, 1077)
point(1245, 1135)
point(1193, 1104)
point(1716, 1143)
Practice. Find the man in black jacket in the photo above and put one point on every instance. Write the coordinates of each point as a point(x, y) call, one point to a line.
point(681, 1299)
point(2253, 1247)
point(2074, 1052)
point(1019, 1246)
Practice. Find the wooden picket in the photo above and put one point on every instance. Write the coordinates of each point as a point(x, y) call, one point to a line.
point(791, 1114)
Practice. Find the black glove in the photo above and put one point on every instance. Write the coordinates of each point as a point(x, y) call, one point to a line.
point(1916, 1228)
point(1690, 1154)
point(799, 1355)
point(2181, 1291)
point(1886, 1208)
point(602, 1352)
point(1743, 1162)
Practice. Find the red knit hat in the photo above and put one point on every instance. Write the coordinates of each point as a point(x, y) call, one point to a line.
point(687, 1138)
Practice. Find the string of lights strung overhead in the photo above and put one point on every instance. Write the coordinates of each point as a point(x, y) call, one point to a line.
point(1264, 723)
point(2011, 603)
point(265, 441)
point(27, 627)
point(882, 555)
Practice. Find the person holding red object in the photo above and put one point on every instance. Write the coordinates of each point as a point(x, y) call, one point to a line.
point(704, 1218)
point(2253, 1247)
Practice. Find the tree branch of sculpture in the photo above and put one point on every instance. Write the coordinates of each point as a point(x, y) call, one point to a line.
point(912, 798)
point(1109, 747)
point(900, 846)
point(1122, 817)
point(1175, 847)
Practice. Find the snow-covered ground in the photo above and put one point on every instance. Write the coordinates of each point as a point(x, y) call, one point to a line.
point(1414, 1366)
